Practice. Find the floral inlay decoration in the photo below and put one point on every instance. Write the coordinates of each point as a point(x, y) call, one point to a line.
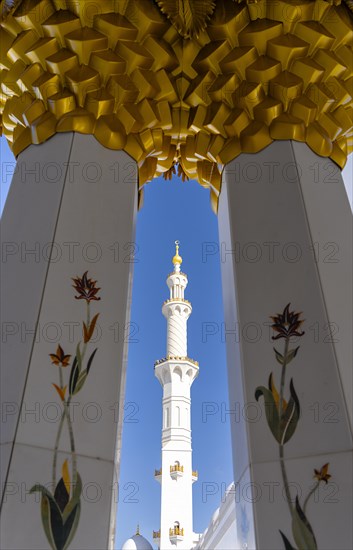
point(282, 417)
point(61, 506)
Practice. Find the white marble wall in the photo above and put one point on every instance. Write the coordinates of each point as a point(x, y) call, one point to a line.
point(285, 237)
point(221, 532)
point(83, 198)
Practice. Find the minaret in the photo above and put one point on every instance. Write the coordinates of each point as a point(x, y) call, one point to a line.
point(176, 373)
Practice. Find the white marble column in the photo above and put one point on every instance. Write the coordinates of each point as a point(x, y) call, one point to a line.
point(71, 209)
point(286, 238)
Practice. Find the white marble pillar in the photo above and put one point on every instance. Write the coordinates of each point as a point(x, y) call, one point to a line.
point(71, 209)
point(286, 238)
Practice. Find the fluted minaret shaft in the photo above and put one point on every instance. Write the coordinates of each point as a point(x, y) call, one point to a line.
point(176, 335)
point(177, 310)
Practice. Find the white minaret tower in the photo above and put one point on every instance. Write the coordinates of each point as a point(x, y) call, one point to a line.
point(176, 373)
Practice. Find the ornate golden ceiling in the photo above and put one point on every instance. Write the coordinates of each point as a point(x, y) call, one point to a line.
point(196, 86)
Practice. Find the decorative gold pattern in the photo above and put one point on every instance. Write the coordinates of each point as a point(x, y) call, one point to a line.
point(189, 17)
point(176, 531)
point(260, 71)
point(176, 468)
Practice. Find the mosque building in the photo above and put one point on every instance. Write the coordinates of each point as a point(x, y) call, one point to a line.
point(137, 542)
point(254, 100)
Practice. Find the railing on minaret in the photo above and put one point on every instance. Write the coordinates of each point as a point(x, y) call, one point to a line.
point(176, 373)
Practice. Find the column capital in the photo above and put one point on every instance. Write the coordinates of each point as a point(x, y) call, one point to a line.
point(250, 74)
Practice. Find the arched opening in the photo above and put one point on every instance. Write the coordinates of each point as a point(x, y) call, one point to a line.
point(155, 236)
point(215, 409)
point(177, 374)
point(175, 113)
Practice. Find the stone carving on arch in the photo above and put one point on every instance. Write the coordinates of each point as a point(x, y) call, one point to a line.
point(177, 372)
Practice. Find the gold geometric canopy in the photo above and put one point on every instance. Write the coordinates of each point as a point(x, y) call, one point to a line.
point(195, 86)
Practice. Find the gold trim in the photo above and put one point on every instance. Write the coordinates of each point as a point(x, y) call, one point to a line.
point(176, 531)
point(124, 74)
point(176, 468)
point(176, 358)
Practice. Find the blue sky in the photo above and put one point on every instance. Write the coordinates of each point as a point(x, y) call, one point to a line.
point(172, 210)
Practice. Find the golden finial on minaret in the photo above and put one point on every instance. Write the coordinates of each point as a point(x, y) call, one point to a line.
point(138, 529)
point(177, 260)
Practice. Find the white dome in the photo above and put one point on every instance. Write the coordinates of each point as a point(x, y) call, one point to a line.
point(137, 542)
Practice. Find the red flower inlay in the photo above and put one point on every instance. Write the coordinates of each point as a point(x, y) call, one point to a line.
point(86, 288)
point(286, 324)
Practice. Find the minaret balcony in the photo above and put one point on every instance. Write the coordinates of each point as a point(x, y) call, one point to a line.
point(179, 306)
point(176, 358)
point(156, 536)
point(176, 299)
point(164, 368)
point(176, 534)
point(158, 475)
point(176, 471)
point(194, 476)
